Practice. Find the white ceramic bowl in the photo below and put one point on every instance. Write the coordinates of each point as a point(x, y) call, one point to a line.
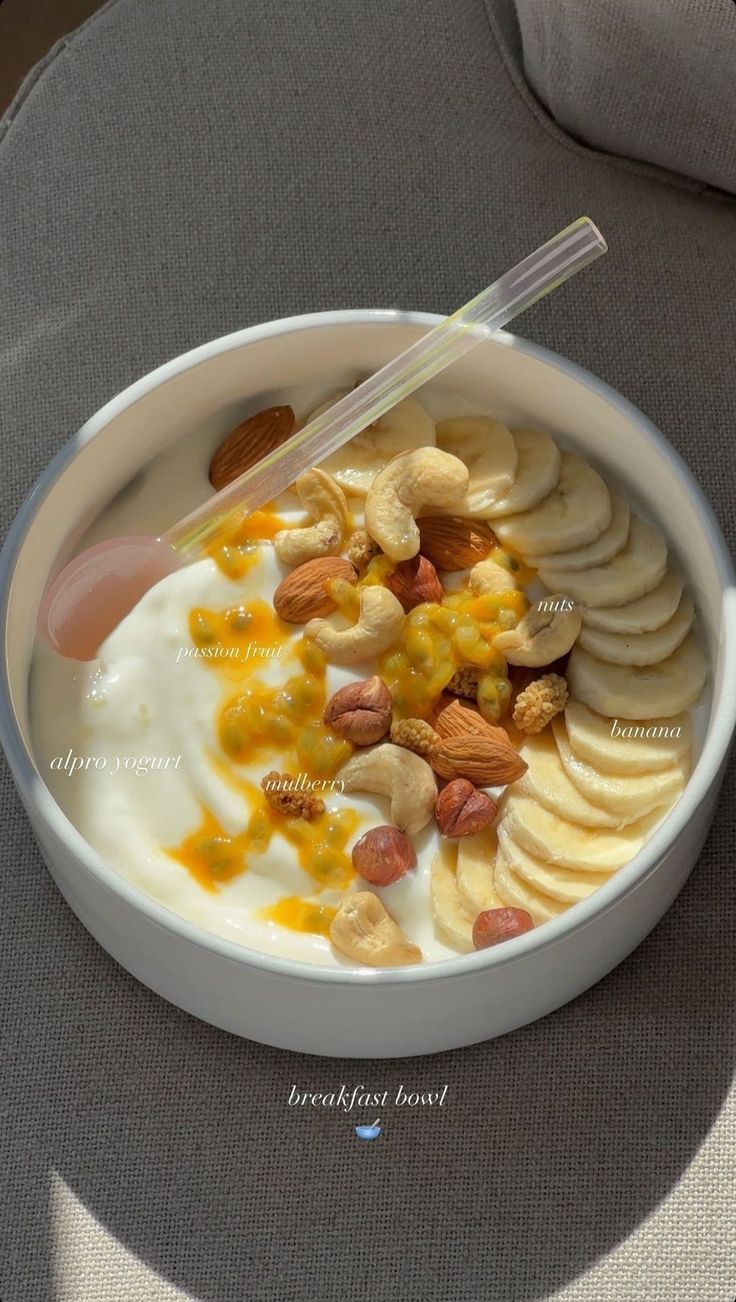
point(333, 1011)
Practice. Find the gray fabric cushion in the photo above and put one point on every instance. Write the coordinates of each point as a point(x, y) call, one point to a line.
point(179, 170)
point(653, 81)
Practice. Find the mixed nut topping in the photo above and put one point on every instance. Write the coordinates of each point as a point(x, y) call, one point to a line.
point(472, 711)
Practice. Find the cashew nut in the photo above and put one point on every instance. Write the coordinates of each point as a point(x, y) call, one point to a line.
point(400, 774)
point(424, 477)
point(545, 633)
point(489, 576)
point(379, 621)
point(326, 505)
point(362, 929)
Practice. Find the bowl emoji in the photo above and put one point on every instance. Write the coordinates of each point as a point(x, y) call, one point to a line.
point(368, 1132)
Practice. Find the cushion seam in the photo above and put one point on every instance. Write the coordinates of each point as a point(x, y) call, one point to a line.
point(612, 162)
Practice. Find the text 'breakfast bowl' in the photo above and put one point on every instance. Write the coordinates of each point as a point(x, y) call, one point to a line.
point(424, 748)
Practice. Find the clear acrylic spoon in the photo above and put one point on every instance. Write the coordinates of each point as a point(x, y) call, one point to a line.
point(90, 596)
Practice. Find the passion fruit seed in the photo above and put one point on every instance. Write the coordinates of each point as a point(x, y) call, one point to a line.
point(202, 630)
point(494, 695)
point(239, 620)
point(217, 854)
point(331, 866)
point(259, 832)
point(280, 730)
point(313, 659)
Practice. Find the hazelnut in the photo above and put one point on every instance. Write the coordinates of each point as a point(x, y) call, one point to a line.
point(360, 712)
point(496, 925)
point(415, 582)
point(462, 810)
point(383, 855)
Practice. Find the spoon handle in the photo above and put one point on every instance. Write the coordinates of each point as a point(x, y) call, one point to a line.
point(549, 266)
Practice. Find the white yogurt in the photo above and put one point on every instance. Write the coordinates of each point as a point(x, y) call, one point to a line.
point(97, 726)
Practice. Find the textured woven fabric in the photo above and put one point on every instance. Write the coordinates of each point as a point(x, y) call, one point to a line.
point(650, 80)
point(179, 170)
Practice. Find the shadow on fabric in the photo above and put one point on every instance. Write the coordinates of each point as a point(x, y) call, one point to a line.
point(554, 1143)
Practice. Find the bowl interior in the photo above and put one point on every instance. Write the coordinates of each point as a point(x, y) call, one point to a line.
point(201, 396)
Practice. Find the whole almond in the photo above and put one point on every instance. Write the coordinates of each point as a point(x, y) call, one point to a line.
point(484, 761)
point(452, 542)
point(459, 718)
point(462, 810)
point(415, 582)
point(360, 712)
point(252, 439)
point(303, 594)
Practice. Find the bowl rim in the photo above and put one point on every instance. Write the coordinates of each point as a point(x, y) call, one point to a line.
point(37, 795)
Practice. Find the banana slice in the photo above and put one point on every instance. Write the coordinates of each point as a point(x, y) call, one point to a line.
point(611, 542)
point(633, 796)
point(488, 450)
point(474, 872)
point(647, 747)
point(537, 472)
point(645, 614)
point(546, 781)
point(519, 894)
point(450, 916)
point(572, 515)
point(637, 569)
point(554, 840)
point(565, 884)
point(404, 428)
point(633, 692)
point(640, 648)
